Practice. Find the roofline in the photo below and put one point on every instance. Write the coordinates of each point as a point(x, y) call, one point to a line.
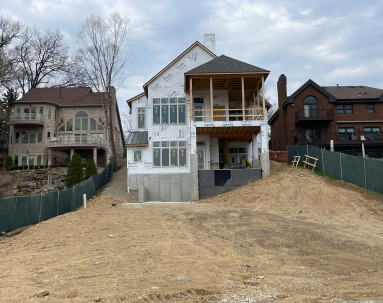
point(212, 74)
point(290, 99)
point(273, 117)
point(51, 103)
point(145, 86)
point(135, 98)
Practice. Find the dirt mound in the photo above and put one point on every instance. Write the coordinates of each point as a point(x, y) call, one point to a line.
point(292, 237)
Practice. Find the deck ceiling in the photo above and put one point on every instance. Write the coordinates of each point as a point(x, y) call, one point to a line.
point(230, 134)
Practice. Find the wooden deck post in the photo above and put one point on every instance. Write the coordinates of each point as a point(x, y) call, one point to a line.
point(211, 99)
point(263, 98)
point(258, 105)
point(243, 98)
point(191, 99)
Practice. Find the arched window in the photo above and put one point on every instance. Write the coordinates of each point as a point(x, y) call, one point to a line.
point(310, 107)
point(81, 121)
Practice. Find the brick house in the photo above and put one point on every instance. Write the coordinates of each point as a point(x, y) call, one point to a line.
point(47, 125)
point(200, 115)
point(313, 114)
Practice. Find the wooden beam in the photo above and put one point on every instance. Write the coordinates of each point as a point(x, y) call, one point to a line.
point(243, 98)
point(191, 99)
point(211, 99)
point(263, 98)
point(257, 103)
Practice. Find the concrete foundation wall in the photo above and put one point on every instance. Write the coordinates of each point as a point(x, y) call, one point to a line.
point(162, 187)
point(215, 182)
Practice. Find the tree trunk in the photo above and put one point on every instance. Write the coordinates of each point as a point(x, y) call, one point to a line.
point(111, 132)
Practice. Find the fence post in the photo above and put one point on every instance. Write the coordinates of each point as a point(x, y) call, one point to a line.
point(341, 168)
point(365, 174)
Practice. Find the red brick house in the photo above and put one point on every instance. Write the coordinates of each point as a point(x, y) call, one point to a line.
point(315, 115)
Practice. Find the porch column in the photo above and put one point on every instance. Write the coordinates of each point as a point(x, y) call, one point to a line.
point(191, 99)
point(263, 98)
point(211, 99)
point(254, 152)
point(258, 105)
point(264, 156)
point(49, 156)
point(95, 155)
point(71, 153)
point(193, 163)
point(243, 98)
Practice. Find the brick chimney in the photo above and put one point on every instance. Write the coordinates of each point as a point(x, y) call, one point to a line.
point(282, 90)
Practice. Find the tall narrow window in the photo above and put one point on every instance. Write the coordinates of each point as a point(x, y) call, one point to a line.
point(137, 155)
point(17, 137)
point(156, 153)
point(32, 137)
point(16, 161)
point(165, 154)
point(181, 111)
point(156, 111)
point(24, 137)
point(39, 136)
point(164, 111)
point(141, 117)
point(49, 113)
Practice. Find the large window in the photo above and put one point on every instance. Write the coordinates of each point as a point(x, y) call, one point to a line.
point(346, 133)
point(344, 109)
point(372, 133)
point(169, 153)
point(169, 111)
point(310, 107)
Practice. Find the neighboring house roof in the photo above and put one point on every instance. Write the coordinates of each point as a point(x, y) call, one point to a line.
point(273, 117)
point(290, 99)
point(226, 65)
point(64, 96)
point(355, 92)
point(175, 60)
point(134, 98)
point(137, 138)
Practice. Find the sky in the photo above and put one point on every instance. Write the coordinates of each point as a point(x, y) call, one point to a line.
point(329, 41)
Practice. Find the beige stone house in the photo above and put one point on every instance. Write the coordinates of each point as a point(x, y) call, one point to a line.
point(47, 125)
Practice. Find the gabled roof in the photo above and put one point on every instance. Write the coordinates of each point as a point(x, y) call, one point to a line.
point(290, 99)
point(226, 65)
point(137, 139)
point(355, 92)
point(135, 98)
point(175, 60)
point(64, 96)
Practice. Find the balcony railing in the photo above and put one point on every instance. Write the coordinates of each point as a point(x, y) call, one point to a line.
point(26, 117)
point(77, 141)
point(307, 115)
point(227, 114)
point(339, 138)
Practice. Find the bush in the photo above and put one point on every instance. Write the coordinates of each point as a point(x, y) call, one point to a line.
point(75, 171)
point(90, 169)
point(8, 162)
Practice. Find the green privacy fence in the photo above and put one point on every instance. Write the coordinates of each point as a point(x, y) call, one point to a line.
point(364, 172)
point(16, 212)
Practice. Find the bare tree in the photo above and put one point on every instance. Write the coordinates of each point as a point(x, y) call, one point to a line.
point(40, 58)
point(103, 55)
point(10, 29)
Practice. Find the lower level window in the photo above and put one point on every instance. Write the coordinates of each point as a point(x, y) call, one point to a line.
point(346, 133)
point(137, 155)
point(169, 153)
point(312, 135)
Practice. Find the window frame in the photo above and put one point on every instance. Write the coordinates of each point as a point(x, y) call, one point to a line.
point(162, 108)
point(344, 109)
point(165, 149)
point(370, 110)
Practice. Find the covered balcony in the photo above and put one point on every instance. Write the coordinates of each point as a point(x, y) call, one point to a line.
point(306, 116)
point(77, 141)
point(233, 91)
point(26, 119)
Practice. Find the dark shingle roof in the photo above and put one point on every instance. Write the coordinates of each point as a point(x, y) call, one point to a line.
point(65, 96)
point(224, 64)
point(137, 138)
point(354, 92)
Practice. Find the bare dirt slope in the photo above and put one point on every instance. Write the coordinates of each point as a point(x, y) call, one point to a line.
point(292, 237)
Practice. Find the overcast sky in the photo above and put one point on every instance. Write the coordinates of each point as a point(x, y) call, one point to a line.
point(331, 42)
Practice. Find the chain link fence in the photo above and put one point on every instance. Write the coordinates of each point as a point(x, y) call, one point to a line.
point(364, 172)
point(16, 212)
